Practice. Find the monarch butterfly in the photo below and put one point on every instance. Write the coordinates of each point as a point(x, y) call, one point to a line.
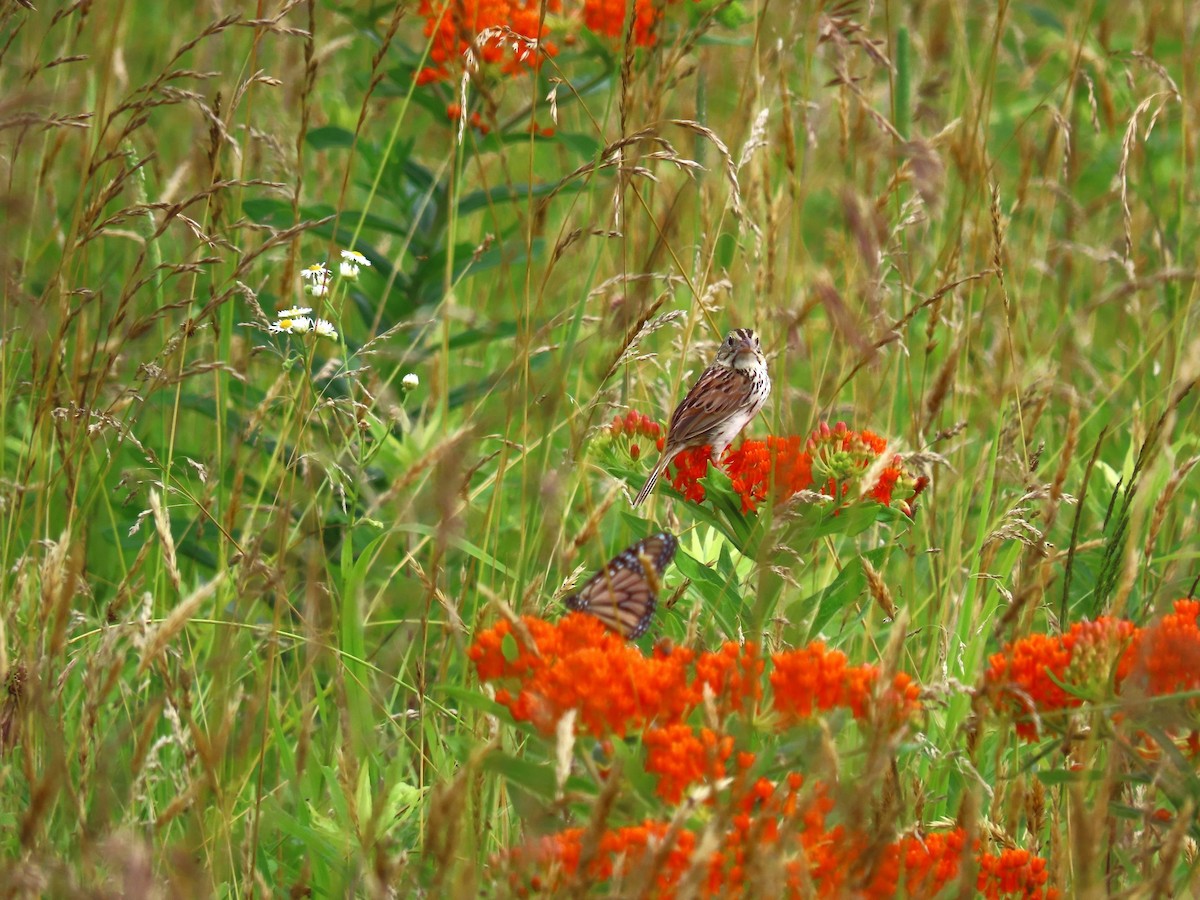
point(623, 595)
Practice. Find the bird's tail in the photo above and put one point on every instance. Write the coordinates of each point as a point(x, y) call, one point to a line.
point(651, 481)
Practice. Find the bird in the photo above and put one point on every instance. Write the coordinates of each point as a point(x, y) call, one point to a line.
point(726, 396)
point(624, 594)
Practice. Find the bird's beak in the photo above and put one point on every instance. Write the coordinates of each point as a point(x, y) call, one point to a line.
point(744, 346)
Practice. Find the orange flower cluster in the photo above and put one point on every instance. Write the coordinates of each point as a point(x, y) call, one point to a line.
point(779, 462)
point(1165, 657)
point(1026, 675)
point(817, 862)
point(680, 757)
point(518, 30)
point(734, 676)
point(831, 460)
point(607, 17)
point(628, 431)
point(690, 466)
point(1097, 660)
point(547, 864)
point(814, 678)
point(924, 865)
point(1013, 872)
point(514, 42)
point(454, 113)
point(550, 863)
point(579, 664)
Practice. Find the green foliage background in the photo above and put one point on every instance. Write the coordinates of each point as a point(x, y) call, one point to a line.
point(239, 571)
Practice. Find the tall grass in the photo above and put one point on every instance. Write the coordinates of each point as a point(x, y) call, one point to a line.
point(240, 571)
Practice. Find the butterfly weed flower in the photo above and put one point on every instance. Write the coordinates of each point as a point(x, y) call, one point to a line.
point(626, 434)
point(1026, 678)
point(817, 862)
point(1099, 658)
point(778, 463)
point(1109, 658)
point(580, 664)
point(734, 676)
point(549, 864)
point(846, 461)
point(493, 659)
point(454, 113)
point(504, 33)
point(1165, 657)
point(608, 17)
point(813, 678)
point(836, 461)
point(848, 862)
point(681, 757)
point(576, 663)
point(1015, 872)
point(690, 466)
point(512, 35)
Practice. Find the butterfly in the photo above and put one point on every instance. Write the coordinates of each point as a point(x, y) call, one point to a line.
point(623, 595)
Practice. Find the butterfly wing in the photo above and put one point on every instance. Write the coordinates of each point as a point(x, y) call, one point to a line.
point(620, 598)
point(624, 594)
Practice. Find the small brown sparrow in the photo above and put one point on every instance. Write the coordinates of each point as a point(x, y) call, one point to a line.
point(728, 394)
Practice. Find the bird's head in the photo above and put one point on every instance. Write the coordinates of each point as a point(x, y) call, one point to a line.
point(741, 350)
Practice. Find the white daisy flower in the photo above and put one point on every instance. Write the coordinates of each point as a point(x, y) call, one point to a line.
point(292, 325)
point(324, 328)
point(293, 312)
point(351, 261)
point(410, 382)
point(318, 277)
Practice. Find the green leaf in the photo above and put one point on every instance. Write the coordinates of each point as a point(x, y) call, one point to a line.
point(508, 647)
point(462, 544)
point(584, 146)
point(329, 136)
point(711, 586)
point(323, 840)
point(535, 777)
point(726, 504)
point(401, 803)
point(844, 590)
point(505, 193)
point(1052, 777)
point(491, 335)
point(277, 213)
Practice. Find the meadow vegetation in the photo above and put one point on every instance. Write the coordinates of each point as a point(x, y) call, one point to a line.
point(283, 550)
